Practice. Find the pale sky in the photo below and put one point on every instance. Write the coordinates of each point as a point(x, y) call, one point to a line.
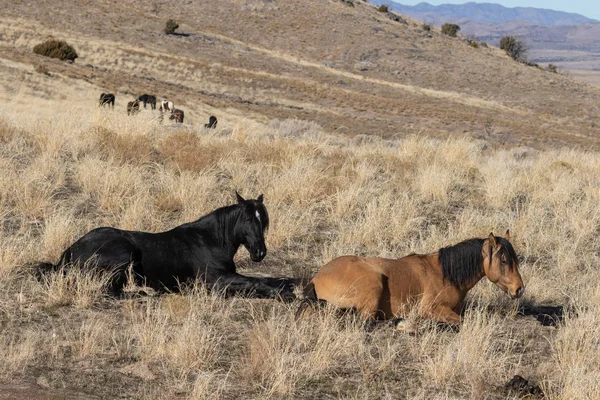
point(589, 8)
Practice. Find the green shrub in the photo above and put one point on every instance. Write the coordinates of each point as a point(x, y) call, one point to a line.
point(474, 43)
point(552, 68)
point(170, 27)
point(383, 8)
point(426, 27)
point(56, 49)
point(42, 69)
point(450, 29)
point(514, 47)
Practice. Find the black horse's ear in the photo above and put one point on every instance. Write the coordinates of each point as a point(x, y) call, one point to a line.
point(260, 198)
point(240, 199)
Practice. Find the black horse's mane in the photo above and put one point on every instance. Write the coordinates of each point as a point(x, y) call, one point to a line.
point(462, 262)
point(225, 218)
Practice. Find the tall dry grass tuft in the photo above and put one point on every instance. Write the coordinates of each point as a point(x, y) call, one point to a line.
point(478, 356)
point(185, 151)
point(60, 230)
point(283, 355)
point(577, 359)
point(286, 357)
point(71, 285)
point(17, 352)
point(91, 340)
point(122, 148)
point(209, 385)
point(575, 349)
point(15, 252)
point(109, 186)
point(182, 334)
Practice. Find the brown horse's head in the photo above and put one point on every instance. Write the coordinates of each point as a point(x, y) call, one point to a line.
point(501, 266)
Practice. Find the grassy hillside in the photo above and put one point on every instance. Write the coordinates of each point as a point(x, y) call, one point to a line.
point(327, 196)
point(366, 135)
point(351, 69)
point(574, 49)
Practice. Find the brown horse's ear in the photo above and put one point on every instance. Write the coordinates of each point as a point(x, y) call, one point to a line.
point(240, 199)
point(260, 198)
point(492, 240)
point(507, 235)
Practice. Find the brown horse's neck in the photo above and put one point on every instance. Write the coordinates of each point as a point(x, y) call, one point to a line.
point(473, 282)
point(437, 265)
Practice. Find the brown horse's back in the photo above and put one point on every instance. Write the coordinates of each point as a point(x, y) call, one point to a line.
point(364, 284)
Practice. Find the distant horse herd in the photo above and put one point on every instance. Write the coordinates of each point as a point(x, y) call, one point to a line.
point(166, 106)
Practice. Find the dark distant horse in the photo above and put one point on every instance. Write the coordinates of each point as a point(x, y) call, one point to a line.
point(107, 98)
point(177, 116)
point(149, 99)
point(380, 288)
point(133, 107)
point(212, 122)
point(202, 249)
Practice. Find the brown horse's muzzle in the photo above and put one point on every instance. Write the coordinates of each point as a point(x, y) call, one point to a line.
point(515, 294)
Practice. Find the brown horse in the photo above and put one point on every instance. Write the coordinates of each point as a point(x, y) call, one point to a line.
point(133, 107)
point(380, 288)
point(177, 116)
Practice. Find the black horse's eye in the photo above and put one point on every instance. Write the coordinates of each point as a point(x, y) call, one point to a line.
point(503, 259)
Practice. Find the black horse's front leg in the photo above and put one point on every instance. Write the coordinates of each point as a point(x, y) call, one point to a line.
point(264, 288)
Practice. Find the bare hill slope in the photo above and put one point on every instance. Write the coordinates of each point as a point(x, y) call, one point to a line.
point(352, 69)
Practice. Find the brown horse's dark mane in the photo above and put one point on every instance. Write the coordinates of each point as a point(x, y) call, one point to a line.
point(462, 262)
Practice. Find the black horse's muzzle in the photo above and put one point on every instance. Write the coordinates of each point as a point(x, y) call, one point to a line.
point(258, 254)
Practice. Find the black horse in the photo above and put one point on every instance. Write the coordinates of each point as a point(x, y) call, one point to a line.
point(148, 99)
point(202, 249)
point(107, 98)
point(212, 122)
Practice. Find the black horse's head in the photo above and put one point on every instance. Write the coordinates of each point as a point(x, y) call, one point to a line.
point(251, 226)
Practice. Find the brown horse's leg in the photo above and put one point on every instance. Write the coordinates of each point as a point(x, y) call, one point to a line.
point(309, 302)
point(441, 313)
point(369, 304)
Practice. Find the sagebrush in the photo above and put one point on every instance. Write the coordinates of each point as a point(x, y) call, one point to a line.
point(56, 49)
point(170, 27)
point(450, 29)
point(514, 47)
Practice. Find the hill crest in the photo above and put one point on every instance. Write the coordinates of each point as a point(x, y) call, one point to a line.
point(488, 13)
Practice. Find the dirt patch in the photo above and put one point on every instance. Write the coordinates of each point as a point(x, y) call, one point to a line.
point(23, 391)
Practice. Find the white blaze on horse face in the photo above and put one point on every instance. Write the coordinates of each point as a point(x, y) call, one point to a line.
point(257, 215)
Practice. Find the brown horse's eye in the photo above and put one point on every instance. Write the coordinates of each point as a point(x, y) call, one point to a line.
point(503, 259)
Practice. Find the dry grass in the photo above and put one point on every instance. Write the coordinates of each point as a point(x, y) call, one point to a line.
point(66, 169)
point(327, 196)
point(72, 286)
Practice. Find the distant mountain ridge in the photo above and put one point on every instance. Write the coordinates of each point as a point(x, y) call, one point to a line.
point(567, 40)
point(486, 13)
